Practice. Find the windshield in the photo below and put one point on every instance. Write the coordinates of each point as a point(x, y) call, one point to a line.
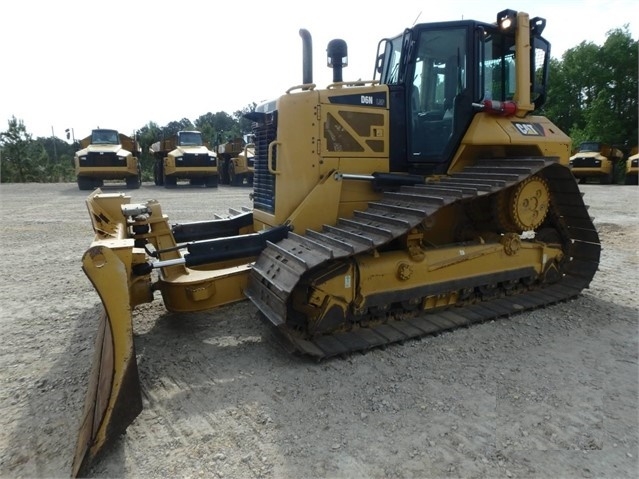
point(499, 67)
point(190, 138)
point(590, 146)
point(104, 137)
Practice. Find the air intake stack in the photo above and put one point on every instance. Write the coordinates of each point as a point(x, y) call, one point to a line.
point(337, 53)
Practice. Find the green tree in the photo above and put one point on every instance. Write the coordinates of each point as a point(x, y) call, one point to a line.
point(571, 89)
point(147, 135)
point(592, 92)
point(59, 163)
point(45, 159)
point(41, 164)
point(18, 160)
point(217, 127)
point(613, 113)
point(173, 127)
point(245, 124)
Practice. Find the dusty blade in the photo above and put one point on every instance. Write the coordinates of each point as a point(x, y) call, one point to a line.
point(114, 397)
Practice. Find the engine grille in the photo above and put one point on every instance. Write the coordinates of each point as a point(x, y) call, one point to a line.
point(194, 160)
point(263, 180)
point(95, 158)
point(586, 163)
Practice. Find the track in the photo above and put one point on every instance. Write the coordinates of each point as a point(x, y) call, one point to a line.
point(281, 266)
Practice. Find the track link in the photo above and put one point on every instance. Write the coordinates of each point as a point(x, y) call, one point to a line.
point(281, 265)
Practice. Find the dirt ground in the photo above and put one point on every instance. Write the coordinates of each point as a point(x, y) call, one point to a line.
point(544, 394)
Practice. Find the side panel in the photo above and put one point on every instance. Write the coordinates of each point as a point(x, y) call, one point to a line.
point(289, 164)
point(492, 136)
point(320, 134)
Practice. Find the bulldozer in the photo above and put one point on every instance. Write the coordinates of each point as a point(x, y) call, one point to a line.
point(426, 199)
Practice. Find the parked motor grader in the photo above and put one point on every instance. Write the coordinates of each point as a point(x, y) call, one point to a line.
point(426, 199)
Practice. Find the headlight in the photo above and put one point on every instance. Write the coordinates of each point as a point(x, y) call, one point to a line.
point(507, 19)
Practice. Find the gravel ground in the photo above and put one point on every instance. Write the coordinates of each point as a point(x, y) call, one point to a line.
point(544, 394)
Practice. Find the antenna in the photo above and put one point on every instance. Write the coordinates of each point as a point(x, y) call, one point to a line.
point(417, 18)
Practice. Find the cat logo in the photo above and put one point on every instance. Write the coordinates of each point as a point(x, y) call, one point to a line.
point(529, 129)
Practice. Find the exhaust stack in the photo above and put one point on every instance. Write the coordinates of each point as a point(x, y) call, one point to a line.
point(307, 56)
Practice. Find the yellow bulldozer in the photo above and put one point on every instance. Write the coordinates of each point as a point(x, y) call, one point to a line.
point(428, 198)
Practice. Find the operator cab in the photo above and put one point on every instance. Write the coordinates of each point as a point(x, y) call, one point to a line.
point(190, 138)
point(438, 75)
point(590, 147)
point(104, 137)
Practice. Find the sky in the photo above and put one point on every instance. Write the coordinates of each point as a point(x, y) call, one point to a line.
point(120, 64)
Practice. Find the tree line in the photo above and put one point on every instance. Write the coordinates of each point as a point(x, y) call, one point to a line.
point(592, 95)
point(50, 159)
point(592, 91)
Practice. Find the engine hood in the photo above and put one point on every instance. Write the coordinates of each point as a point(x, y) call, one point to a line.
point(194, 150)
point(103, 149)
point(589, 154)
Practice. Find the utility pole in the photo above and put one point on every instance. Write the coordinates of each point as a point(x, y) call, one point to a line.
point(55, 151)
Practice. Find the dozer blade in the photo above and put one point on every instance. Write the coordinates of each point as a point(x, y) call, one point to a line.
point(114, 398)
point(119, 266)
